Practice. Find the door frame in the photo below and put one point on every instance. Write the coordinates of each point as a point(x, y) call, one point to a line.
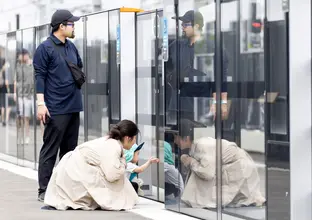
point(156, 118)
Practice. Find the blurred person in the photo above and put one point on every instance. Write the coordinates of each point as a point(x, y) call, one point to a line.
point(59, 98)
point(132, 171)
point(240, 178)
point(174, 184)
point(24, 91)
point(93, 175)
point(4, 88)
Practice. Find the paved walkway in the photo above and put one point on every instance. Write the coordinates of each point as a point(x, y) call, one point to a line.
point(18, 200)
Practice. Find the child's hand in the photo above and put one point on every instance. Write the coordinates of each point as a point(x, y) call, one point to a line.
point(154, 160)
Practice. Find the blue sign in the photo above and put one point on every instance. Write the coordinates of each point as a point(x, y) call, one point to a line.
point(165, 46)
point(118, 44)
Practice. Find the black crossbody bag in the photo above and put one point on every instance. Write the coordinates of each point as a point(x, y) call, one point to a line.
point(78, 75)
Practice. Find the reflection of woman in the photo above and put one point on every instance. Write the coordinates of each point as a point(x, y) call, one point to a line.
point(240, 179)
point(93, 175)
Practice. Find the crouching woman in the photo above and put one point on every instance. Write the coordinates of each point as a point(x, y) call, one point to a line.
point(93, 175)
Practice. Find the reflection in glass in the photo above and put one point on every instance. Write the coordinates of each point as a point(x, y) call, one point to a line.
point(97, 69)
point(10, 104)
point(189, 90)
point(42, 33)
point(243, 150)
point(114, 65)
point(78, 41)
point(24, 95)
point(146, 99)
point(6, 137)
point(277, 111)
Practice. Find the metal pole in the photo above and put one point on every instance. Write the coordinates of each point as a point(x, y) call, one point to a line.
point(218, 122)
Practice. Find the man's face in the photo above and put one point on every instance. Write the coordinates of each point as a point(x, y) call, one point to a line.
point(26, 58)
point(188, 29)
point(68, 29)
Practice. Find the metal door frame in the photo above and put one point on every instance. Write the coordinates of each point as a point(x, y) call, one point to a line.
point(157, 117)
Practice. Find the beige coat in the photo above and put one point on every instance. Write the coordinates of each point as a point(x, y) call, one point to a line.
point(240, 178)
point(90, 177)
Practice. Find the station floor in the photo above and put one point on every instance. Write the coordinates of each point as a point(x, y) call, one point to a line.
point(18, 201)
point(18, 186)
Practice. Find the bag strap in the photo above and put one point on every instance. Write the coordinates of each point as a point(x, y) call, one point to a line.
point(59, 51)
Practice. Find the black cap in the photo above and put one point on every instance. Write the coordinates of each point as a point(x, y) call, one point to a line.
point(192, 16)
point(61, 16)
point(187, 127)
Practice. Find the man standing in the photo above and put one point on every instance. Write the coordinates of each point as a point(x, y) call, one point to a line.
point(59, 100)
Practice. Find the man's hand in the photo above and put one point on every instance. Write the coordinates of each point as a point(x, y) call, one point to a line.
point(224, 110)
point(42, 111)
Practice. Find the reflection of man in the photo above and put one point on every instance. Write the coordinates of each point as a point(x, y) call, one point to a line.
point(192, 43)
point(240, 178)
point(24, 90)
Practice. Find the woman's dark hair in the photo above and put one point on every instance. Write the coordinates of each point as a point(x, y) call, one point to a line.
point(122, 129)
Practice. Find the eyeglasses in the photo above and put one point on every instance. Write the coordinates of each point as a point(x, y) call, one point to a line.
point(186, 25)
point(70, 24)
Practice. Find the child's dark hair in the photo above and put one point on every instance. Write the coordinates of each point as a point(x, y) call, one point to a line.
point(122, 129)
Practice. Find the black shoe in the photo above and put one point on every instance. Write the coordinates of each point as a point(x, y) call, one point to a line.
point(41, 197)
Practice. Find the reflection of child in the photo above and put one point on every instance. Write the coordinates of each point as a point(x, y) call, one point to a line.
point(132, 157)
point(174, 184)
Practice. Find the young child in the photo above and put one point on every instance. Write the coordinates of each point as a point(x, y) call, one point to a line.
point(132, 158)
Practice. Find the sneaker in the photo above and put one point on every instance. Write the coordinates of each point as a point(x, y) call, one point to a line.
point(140, 192)
point(140, 182)
point(41, 197)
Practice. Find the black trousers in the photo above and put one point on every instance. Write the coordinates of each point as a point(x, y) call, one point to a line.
point(60, 133)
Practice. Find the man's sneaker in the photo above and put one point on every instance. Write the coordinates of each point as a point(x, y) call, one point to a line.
point(41, 197)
